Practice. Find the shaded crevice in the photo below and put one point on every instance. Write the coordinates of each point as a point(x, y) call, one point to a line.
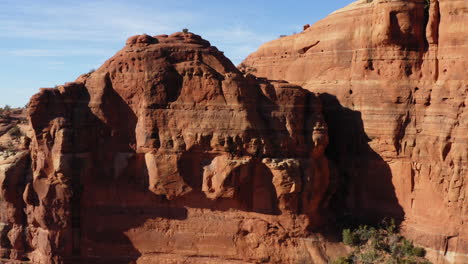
point(365, 192)
point(427, 7)
point(402, 124)
point(306, 48)
point(446, 150)
point(431, 22)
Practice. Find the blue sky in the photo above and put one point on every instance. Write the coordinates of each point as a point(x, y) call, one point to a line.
point(48, 42)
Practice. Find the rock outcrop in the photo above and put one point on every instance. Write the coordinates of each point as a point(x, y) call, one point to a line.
point(168, 152)
point(392, 78)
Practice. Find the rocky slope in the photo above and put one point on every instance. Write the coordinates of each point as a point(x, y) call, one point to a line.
point(169, 153)
point(392, 78)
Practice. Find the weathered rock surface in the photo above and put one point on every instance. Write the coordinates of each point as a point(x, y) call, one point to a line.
point(169, 152)
point(393, 81)
point(14, 171)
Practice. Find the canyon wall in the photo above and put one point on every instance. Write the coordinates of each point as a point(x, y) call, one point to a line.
point(169, 153)
point(392, 78)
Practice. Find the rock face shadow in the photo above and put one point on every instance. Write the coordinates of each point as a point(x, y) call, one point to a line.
point(365, 192)
point(112, 208)
point(120, 214)
point(138, 170)
point(114, 200)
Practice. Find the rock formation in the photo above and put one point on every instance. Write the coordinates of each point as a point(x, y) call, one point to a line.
point(392, 78)
point(168, 152)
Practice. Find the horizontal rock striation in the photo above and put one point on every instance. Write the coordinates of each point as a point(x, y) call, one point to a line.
point(168, 151)
point(392, 79)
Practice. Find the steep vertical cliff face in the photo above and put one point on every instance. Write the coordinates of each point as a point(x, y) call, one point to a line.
point(168, 153)
point(392, 76)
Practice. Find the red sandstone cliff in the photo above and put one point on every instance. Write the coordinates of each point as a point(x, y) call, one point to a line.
point(392, 77)
point(167, 152)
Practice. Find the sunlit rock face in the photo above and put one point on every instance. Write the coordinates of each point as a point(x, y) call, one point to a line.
point(168, 152)
point(392, 78)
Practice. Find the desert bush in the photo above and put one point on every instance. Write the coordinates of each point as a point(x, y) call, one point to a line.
point(15, 132)
point(407, 247)
point(370, 257)
point(365, 233)
point(5, 111)
point(419, 252)
point(389, 225)
point(344, 260)
point(380, 242)
point(245, 69)
point(349, 238)
point(380, 245)
point(361, 235)
point(185, 30)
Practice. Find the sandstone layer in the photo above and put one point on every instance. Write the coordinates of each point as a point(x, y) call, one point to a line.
point(169, 154)
point(393, 81)
point(165, 153)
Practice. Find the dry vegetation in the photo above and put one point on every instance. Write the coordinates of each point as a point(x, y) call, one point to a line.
point(382, 244)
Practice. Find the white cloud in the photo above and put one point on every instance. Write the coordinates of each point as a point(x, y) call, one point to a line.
point(102, 21)
point(53, 52)
point(111, 22)
point(237, 41)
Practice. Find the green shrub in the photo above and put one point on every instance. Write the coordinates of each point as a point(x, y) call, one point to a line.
point(379, 242)
point(245, 69)
point(349, 238)
point(380, 245)
point(185, 30)
point(393, 239)
point(343, 260)
point(365, 233)
point(407, 248)
point(396, 250)
point(361, 235)
point(389, 225)
point(15, 132)
point(403, 249)
point(370, 257)
point(5, 111)
point(419, 252)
